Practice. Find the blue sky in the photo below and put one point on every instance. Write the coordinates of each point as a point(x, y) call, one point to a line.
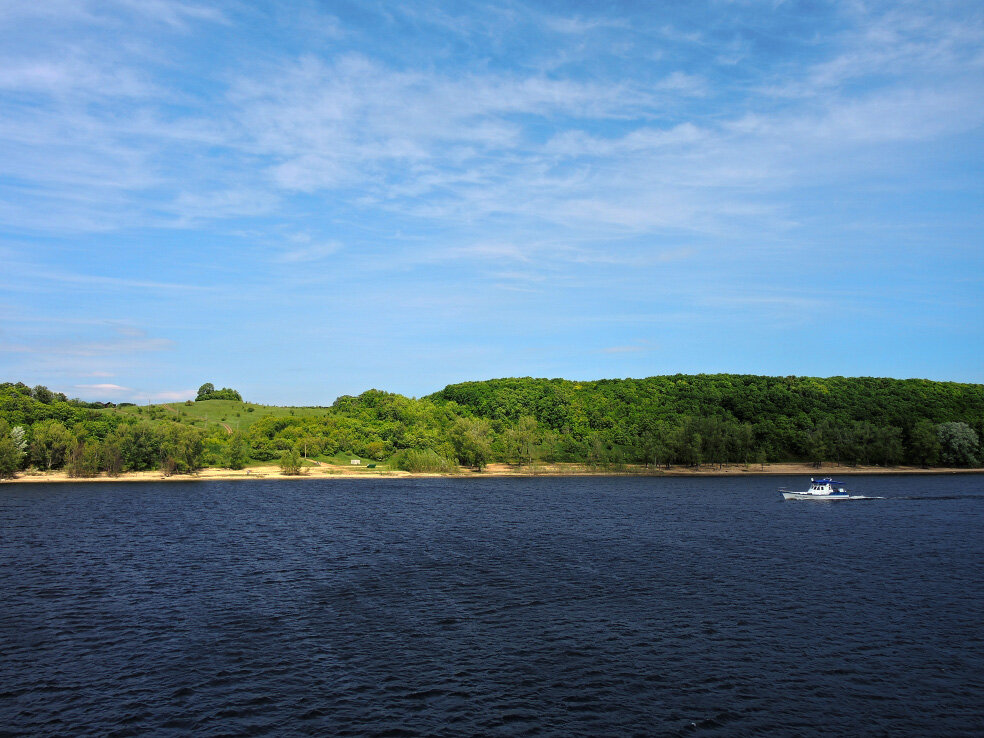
point(308, 199)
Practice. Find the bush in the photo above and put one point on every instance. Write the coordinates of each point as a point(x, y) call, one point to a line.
point(83, 460)
point(290, 462)
point(428, 460)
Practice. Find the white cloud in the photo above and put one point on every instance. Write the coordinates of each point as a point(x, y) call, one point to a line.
point(76, 76)
point(124, 339)
point(95, 282)
point(349, 122)
point(627, 152)
point(174, 13)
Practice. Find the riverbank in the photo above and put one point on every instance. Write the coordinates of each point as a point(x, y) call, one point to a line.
point(332, 471)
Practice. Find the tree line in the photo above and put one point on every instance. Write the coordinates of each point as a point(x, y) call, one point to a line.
point(49, 431)
point(689, 420)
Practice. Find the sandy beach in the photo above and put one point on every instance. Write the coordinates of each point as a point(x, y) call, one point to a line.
point(331, 471)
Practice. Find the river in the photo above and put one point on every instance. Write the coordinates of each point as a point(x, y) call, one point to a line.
point(540, 606)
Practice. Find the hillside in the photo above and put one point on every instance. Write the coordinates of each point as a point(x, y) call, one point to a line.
point(688, 420)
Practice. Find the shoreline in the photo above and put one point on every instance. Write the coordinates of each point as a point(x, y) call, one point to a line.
point(329, 471)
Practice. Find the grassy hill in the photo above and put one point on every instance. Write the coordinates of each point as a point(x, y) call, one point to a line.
point(230, 414)
point(680, 420)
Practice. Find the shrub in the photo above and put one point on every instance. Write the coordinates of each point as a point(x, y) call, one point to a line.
point(83, 460)
point(412, 460)
point(290, 462)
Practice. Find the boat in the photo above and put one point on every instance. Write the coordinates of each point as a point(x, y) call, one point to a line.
point(822, 489)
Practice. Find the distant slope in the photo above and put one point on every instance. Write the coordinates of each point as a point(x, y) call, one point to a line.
point(690, 418)
point(685, 420)
point(237, 415)
point(743, 398)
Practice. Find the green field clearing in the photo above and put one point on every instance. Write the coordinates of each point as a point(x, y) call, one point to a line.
point(236, 415)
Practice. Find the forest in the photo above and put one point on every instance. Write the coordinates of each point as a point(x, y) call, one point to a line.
point(664, 421)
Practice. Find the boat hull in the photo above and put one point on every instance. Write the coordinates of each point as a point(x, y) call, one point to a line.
point(831, 498)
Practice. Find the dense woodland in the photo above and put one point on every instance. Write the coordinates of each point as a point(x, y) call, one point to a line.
point(688, 420)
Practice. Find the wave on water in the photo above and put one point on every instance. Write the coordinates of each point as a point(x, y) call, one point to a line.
point(546, 606)
point(979, 498)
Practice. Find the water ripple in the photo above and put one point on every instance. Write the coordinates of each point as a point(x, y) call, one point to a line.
point(544, 607)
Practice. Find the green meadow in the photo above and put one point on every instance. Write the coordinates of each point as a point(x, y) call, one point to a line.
point(202, 414)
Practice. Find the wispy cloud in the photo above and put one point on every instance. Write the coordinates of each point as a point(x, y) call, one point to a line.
point(114, 338)
point(606, 167)
point(104, 387)
point(474, 144)
point(97, 282)
point(91, 348)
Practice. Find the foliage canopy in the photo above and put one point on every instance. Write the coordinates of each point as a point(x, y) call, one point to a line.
point(681, 419)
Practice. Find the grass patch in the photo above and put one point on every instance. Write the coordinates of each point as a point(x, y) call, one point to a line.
point(237, 415)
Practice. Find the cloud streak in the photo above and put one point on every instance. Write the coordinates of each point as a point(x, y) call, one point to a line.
point(222, 171)
point(481, 143)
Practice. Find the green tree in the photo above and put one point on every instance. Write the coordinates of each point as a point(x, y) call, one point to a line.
point(888, 445)
point(236, 451)
point(472, 441)
point(523, 440)
point(112, 456)
point(208, 392)
point(311, 445)
point(11, 449)
point(182, 449)
point(83, 459)
point(816, 446)
point(139, 445)
point(924, 444)
point(18, 435)
point(597, 450)
point(958, 444)
point(51, 442)
point(744, 438)
point(290, 462)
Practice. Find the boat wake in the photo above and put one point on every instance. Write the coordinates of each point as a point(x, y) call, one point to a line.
point(937, 497)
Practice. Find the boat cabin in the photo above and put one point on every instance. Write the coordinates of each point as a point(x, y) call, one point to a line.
point(827, 486)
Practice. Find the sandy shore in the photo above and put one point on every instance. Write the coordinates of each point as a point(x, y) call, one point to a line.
point(330, 471)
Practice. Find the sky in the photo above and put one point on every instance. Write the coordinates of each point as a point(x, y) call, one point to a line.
point(309, 199)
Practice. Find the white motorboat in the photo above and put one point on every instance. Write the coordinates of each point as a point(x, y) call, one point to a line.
point(822, 489)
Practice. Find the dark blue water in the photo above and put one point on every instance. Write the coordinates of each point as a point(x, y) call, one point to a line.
point(624, 606)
